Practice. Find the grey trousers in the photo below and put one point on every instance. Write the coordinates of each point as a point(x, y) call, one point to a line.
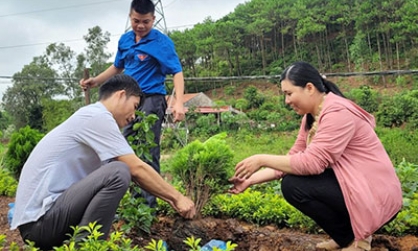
point(153, 104)
point(93, 199)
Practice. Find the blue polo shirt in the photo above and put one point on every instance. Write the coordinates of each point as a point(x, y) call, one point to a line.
point(149, 60)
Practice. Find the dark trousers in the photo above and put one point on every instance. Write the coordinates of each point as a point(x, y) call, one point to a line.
point(153, 104)
point(320, 198)
point(93, 199)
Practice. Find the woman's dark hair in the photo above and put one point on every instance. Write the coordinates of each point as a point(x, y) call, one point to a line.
point(143, 6)
point(301, 73)
point(120, 82)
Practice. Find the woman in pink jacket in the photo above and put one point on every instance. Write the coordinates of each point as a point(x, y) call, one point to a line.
point(337, 172)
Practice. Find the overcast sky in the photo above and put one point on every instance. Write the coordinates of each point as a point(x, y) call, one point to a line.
point(28, 26)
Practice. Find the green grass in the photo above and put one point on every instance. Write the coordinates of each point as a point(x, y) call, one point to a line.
point(245, 143)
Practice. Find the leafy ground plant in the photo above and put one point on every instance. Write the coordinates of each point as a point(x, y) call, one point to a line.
point(87, 238)
point(143, 140)
point(134, 213)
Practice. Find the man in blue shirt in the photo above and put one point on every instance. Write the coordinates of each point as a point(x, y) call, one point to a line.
point(147, 55)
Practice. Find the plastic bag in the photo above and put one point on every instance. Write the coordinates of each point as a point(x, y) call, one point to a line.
point(214, 243)
point(10, 213)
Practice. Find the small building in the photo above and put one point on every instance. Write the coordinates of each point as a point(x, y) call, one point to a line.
point(200, 103)
point(191, 100)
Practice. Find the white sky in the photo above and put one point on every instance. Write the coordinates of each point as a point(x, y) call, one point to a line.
point(27, 27)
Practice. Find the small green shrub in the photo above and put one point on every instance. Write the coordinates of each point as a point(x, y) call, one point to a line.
point(365, 97)
point(242, 104)
point(206, 125)
point(8, 183)
point(203, 168)
point(230, 121)
point(398, 110)
point(254, 97)
point(230, 90)
point(20, 146)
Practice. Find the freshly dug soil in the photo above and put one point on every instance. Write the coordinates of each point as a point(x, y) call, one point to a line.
point(249, 237)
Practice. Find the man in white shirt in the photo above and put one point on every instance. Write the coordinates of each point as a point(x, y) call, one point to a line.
point(79, 172)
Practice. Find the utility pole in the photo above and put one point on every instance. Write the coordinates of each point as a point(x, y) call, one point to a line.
point(159, 23)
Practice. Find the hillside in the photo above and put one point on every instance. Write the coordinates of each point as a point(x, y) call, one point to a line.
point(387, 86)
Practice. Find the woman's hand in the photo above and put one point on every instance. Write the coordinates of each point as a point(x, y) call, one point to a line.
point(239, 185)
point(247, 167)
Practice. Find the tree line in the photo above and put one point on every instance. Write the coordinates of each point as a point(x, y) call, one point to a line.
point(263, 36)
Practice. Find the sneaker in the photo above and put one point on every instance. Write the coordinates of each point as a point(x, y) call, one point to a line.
point(328, 245)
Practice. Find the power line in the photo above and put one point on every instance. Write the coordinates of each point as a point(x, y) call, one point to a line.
point(37, 78)
point(43, 43)
point(73, 40)
point(195, 79)
point(167, 5)
point(40, 43)
point(58, 8)
point(54, 9)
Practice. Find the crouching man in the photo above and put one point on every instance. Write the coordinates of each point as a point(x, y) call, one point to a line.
point(79, 171)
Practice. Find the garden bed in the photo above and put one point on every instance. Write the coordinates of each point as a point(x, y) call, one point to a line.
point(249, 237)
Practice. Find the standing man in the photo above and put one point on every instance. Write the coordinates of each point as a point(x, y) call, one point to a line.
point(79, 172)
point(148, 56)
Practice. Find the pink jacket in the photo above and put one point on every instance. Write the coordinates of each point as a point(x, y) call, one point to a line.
point(346, 141)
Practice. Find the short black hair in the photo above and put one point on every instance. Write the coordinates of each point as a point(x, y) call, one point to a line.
point(120, 82)
point(143, 6)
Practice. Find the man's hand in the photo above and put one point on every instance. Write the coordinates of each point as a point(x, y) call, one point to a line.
point(185, 207)
point(178, 112)
point(90, 82)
